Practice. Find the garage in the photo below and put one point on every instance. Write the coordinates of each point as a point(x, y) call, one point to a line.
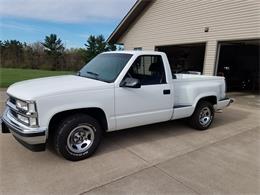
point(186, 58)
point(238, 62)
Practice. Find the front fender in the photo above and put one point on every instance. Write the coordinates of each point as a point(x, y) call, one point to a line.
point(103, 99)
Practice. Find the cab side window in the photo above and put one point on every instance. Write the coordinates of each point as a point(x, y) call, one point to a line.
point(148, 69)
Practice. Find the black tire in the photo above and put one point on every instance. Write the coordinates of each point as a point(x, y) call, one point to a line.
point(65, 136)
point(197, 121)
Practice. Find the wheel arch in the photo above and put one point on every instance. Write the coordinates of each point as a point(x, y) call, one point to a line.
point(94, 112)
point(211, 99)
point(207, 97)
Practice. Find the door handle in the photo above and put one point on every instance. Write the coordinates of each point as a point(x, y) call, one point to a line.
point(166, 91)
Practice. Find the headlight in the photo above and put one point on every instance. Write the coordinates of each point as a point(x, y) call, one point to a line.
point(30, 121)
point(22, 105)
point(23, 119)
point(27, 113)
point(26, 106)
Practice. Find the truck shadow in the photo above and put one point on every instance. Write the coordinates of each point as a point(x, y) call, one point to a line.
point(173, 130)
point(170, 131)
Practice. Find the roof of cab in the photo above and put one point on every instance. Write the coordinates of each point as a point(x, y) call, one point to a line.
point(137, 52)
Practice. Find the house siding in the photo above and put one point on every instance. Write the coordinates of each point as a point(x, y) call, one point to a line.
point(172, 22)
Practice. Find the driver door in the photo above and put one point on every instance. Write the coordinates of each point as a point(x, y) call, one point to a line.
point(150, 103)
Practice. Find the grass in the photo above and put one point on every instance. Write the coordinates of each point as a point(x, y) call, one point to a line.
point(9, 76)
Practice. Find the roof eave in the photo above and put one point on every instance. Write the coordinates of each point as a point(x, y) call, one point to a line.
point(129, 18)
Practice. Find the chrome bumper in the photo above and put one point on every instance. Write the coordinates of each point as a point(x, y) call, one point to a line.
point(223, 103)
point(32, 138)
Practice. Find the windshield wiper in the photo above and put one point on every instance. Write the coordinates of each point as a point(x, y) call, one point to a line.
point(93, 73)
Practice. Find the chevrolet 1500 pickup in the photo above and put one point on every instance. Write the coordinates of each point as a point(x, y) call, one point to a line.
point(116, 90)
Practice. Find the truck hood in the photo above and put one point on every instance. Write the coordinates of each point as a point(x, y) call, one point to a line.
point(35, 88)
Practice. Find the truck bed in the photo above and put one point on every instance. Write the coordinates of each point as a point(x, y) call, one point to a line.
point(188, 87)
point(193, 77)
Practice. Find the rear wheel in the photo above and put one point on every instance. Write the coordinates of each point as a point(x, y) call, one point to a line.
point(203, 116)
point(77, 137)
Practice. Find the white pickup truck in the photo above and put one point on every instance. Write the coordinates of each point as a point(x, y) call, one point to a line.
point(116, 90)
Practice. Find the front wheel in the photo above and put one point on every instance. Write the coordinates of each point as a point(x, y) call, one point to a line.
point(203, 116)
point(77, 137)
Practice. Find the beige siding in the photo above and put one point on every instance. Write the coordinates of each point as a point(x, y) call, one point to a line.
point(169, 22)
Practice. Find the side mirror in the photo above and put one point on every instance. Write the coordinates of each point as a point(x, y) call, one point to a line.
point(131, 83)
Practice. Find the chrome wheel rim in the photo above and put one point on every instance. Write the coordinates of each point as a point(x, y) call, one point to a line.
point(80, 139)
point(205, 116)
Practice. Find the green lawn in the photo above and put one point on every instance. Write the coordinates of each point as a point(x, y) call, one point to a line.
point(9, 76)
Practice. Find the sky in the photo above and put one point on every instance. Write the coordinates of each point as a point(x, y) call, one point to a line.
point(72, 20)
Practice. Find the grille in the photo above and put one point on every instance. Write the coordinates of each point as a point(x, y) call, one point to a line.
point(13, 113)
point(12, 100)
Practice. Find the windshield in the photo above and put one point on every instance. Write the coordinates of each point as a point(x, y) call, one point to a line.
point(105, 67)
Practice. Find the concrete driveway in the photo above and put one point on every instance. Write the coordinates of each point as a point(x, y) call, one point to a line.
point(166, 158)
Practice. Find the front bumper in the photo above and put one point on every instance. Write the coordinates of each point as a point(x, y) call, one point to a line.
point(32, 138)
